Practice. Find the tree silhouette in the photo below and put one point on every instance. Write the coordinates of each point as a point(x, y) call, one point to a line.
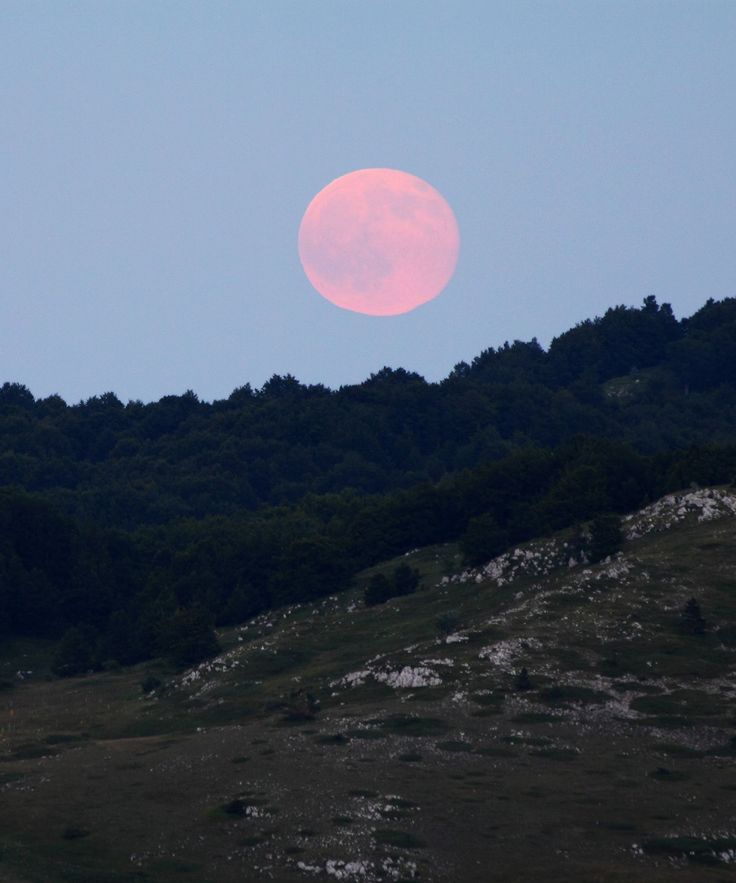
point(691, 619)
point(523, 682)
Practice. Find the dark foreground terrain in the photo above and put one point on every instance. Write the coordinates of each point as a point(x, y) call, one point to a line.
point(426, 760)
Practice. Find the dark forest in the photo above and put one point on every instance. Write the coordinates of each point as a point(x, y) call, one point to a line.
point(129, 531)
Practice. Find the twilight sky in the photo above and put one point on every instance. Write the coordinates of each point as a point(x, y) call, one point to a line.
point(156, 157)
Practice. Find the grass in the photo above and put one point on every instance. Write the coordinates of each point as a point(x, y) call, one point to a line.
point(556, 753)
point(455, 745)
point(65, 738)
point(254, 839)
point(493, 700)
point(398, 839)
point(700, 850)
point(496, 752)
point(169, 777)
point(29, 750)
point(74, 832)
point(527, 740)
point(663, 774)
point(681, 703)
point(534, 717)
point(566, 694)
point(682, 751)
point(413, 725)
point(333, 739)
point(366, 733)
point(410, 757)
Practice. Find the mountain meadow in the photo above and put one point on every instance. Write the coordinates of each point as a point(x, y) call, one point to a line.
point(476, 630)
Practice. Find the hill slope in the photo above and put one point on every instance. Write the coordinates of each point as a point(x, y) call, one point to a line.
point(426, 760)
point(123, 525)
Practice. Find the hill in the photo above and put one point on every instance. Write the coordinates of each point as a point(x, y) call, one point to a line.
point(127, 531)
point(330, 740)
point(634, 375)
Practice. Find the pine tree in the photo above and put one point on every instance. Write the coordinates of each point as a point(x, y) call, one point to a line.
point(406, 580)
point(691, 619)
point(378, 590)
point(76, 653)
point(605, 537)
point(523, 682)
point(447, 623)
point(189, 637)
point(483, 539)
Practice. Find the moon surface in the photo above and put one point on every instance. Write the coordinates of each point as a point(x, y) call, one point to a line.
point(379, 242)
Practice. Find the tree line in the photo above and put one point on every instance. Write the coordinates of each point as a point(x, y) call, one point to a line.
point(158, 590)
point(637, 375)
point(128, 531)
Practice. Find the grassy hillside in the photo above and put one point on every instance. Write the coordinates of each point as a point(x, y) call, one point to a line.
point(424, 761)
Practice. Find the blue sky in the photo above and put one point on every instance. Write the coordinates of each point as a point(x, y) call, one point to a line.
point(156, 159)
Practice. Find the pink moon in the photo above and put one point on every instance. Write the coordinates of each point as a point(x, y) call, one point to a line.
point(379, 242)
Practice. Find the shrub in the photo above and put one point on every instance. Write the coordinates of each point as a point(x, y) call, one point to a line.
point(150, 683)
point(409, 725)
point(189, 638)
point(380, 589)
point(406, 580)
point(301, 706)
point(74, 832)
point(691, 619)
point(447, 623)
point(523, 682)
point(398, 839)
point(76, 653)
point(483, 539)
point(606, 537)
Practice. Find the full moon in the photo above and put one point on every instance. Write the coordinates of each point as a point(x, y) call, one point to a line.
point(379, 242)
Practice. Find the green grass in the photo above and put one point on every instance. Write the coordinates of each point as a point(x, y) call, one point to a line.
point(556, 753)
point(398, 839)
point(496, 752)
point(367, 733)
point(685, 703)
point(170, 776)
point(74, 832)
point(527, 740)
point(30, 750)
point(65, 738)
point(494, 700)
point(664, 774)
point(333, 739)
point(534, 717)
point(700, 850)
point(567, 693)
point(682, 751)
point(413, 725)
point(455, 745)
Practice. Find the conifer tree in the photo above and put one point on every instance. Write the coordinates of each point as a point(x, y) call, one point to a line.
point(523, 682)
point(691, 619)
